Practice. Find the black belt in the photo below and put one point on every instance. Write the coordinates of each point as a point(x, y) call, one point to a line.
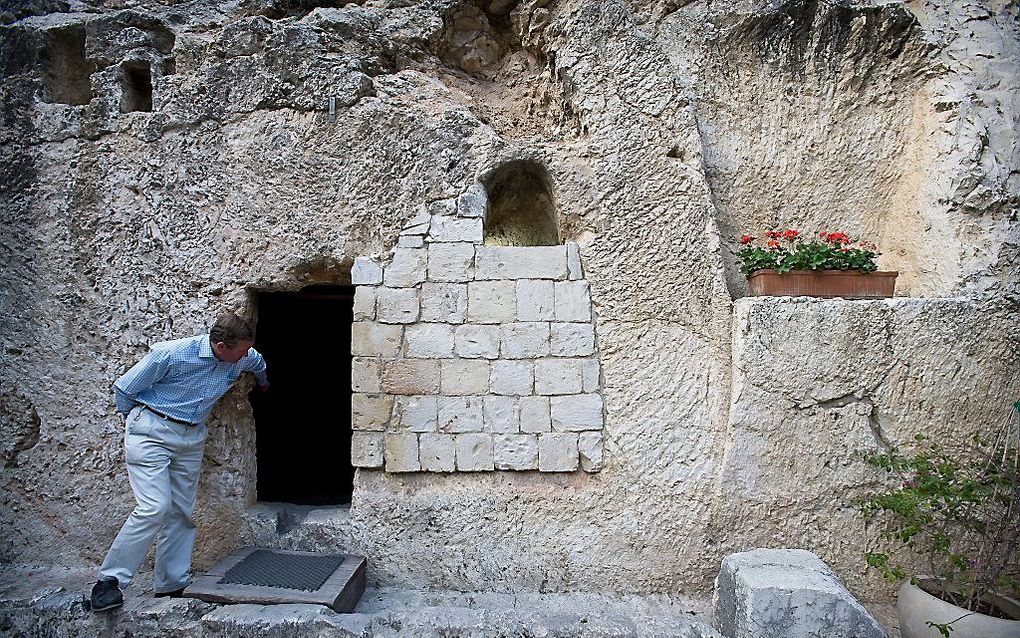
point(168, 418)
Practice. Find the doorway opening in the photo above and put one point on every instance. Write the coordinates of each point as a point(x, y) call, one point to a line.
point(303, 423)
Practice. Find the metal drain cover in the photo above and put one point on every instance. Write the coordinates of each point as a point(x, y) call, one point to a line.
point(270, 576)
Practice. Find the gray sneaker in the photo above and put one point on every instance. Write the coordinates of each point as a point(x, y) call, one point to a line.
point(106, 595)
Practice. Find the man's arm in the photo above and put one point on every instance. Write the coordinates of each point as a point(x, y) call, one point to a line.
point(253, 362)
point(142, 376)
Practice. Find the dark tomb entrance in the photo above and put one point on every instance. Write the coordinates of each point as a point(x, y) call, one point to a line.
point(303, 424)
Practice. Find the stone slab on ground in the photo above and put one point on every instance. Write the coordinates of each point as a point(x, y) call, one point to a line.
point(786, 593)
point(48, 602)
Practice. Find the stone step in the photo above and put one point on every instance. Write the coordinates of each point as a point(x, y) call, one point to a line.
point(49, 603)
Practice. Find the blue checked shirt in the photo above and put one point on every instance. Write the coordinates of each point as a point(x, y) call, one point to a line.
point(183, 379)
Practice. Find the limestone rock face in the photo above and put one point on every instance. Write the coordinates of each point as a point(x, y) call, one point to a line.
point(786, 593)
point(160, 162)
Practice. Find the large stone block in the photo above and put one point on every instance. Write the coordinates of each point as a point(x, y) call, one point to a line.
point(411, 376)
point(364, 303)
point(576, 413)
point(557, 452)
point(474, 202)
point(572, 301)
point(444, 303)
point(501, 414)
point(535, 300)
point(429, 341)
point(590, 446)
point(590, 372)
point(786, 593)
point(512, 377)
point(526, 340)
point(571, 339)
point(366, 375)
point(455, 229)
point(370, 339)
point(402, 453)
point(451, 262)
point(370, 411)
point(464, 376)
point(558, 376)
point(574, 270)
point(366, 272)
point(525, 262)
point(515, 451)
point(415, 413)
point(460, 414)
point(472, 342)
point(407, 268)
point(474, 452)
point(492, 301)
point(367, 449)
point(396, 305)
point(437, 452)
point(535, 415)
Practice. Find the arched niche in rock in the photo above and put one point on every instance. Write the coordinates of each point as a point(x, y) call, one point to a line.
point(522, 210)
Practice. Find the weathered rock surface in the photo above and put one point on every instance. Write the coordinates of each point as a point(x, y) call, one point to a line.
point(49, 603)
point(786, 593)
point(664, 128)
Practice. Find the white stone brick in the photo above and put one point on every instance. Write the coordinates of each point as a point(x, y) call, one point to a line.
point(590, 375)
point(535, 300)
point(521, 262)
point(572, 301)
point(571, 339)
point(474, 202)
point(419, 224)
point(576, 412)
point(429, 341)
point(473, 342)
point(464, 376)
point(460, 414)
point(367, 449)
point(396, 305)
point(502, 414)
point(557, 452)
point(451, 262)
point(535, 414)
point(455, 229)
point(514, 378)
point(474, 452)
point(415, 414)
point(366, 272)
point(528, 340)
point(574, 270)
point(515, 451)
point(589, 446)
point(370, 339)
point(406, 269)
point(492, 301)
point(557, 376)
point(370, 411)
point(437, 452)
point(366, 375)
point(402, 453)
point(364, 303)
point(444, 303)
point(411, 376)
point(410, 241)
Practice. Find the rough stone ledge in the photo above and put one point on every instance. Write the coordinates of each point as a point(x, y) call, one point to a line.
point(47, 601)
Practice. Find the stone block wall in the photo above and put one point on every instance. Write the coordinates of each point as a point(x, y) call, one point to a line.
point(473, 358)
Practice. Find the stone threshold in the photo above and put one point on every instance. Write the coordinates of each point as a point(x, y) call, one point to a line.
point(48, 601)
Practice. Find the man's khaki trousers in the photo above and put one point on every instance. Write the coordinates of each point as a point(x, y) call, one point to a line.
point(164, 460)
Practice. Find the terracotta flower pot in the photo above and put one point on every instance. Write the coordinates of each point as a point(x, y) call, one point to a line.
point(917, 607)
point(849, 284)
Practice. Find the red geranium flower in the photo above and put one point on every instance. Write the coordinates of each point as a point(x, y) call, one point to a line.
point(773, 243)
point(791, 234)
point(746, 239)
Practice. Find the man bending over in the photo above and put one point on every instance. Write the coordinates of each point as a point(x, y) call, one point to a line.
point(166, 398)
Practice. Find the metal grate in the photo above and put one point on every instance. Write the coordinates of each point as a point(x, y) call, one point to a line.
point(266, 568)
